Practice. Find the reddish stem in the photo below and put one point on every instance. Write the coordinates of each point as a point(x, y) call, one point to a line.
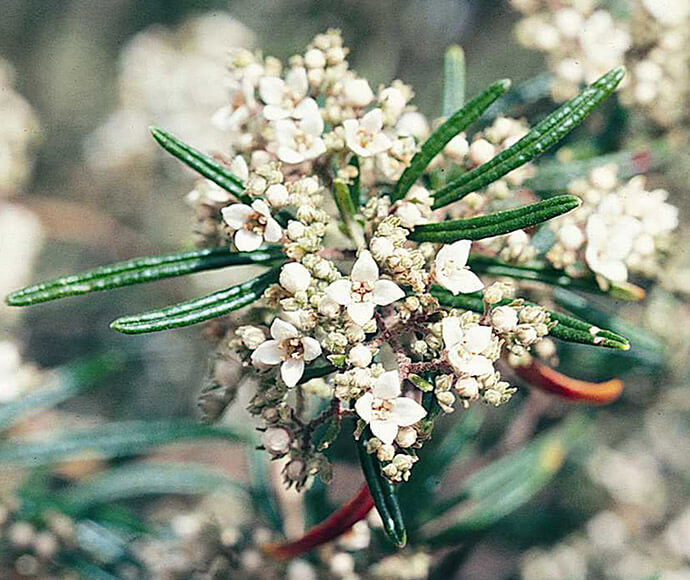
point(551, 381)
point(332, 527)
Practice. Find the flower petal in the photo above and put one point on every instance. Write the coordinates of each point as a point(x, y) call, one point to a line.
point(296, 79)
point(464, 281)
point(312, 348)
point(407, 412)
point(478, 365)
point(280, 330)
point(372, 121)
point(275, 113)
point(365, 268)
point(361, 312)
point(236, 215)
point(460, 252)
point(452, 331)
point(387, 292)
point(387, 386)
point(247, 241)
point(292, 370)
point(386, 431)
point(363, 406)
point(340, 291)
point(307, 108)
point(477, 338)
point(273, 231)
point(271, 90)
point(289, 155)
point(268, 353)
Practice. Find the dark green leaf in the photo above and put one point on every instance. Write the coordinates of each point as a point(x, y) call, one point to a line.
point(112, 440)
point(495, 224)
point(138, 271)
point(348, 211)
point(458, 122)
point(545, 134)
point(453, 80)
point(201, 163)
point(354, 187)
point(198, 309)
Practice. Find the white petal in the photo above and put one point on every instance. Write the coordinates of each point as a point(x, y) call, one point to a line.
point(307, 108)
point(372, 121)
point(361, 312)
point(285, 131)
point(387, 292)
point(407, 412)
point(478, 365)
point(271, 90)
point(452, 331)
point(280, 330)
point(460, 252)
point(318, 147)
point(273, 231)
point(262, 207)
point(365, 268)
point(312, 348)
point(464, 281)
point(380, 143)
point(239, 168)
point(477, 338)
point(312, 124)
point(351, 127)
point(296, 79)
point(247, 241)
point(292, 370)
point(386, 431)
point(340, 291)
point(268, 353)
point(236, 215)
point(275, 113)
point(363, 406)
point(387, 386)
point(290, 156)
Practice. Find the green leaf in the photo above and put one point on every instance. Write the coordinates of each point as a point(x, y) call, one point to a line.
point(201, 163)
point(145, 479)
point(138, 271)
point(545, 134)
point(495, 224)
point(541, 272)
point(354, 187)
point(64, 383)
point(348, 211)
point(569, 328)
point(112, 440)
point(383, 493)
point(453, 80)
point(439, 139)
point(198, 309)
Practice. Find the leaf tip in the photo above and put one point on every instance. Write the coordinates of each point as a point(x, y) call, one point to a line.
point(505, 84)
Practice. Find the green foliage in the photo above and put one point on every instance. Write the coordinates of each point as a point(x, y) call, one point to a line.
point(495, 224)
point(453, 80)
point(545, 134)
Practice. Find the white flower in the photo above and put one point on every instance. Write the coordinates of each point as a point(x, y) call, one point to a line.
point(300, 140)
point(364, 136)
point(357, 92)
point(413, 123)
point(288, 347)
point(385, 410)
point(464, 346)
point(451, 270)
point(363, 291)
point(285, 98)
point(294, 277)
point(360, 356)
point(504, 318)
point(253, 225)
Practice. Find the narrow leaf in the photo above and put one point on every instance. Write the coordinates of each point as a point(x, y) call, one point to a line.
point(145, 479)
point(112, 440)
point(383, 494)
point(545, 134)
point(458, 122)
point(495, 224)
point(348, 211)
point(453, 80)
point(64, 383)
point(569, 328)
point(355, 186)
point(201, 163)
point(138, 271)
point(199, 309)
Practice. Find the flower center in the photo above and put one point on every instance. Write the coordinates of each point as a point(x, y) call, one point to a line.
point(362, 291)
point(256, 222)
point(292, 348)
point(381, 409)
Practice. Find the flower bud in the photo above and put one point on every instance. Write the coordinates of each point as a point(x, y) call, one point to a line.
point(381, 248)
point(314, 58)
point(526, 334)
point(277, 195)
point(294, 277)
point(360, 356)
point(357, 92)
point(295, 230)
point(504, 318)
point(385, 453)
point(276, 440)
point(481, 151)
point(251, 336)
point(467, 388)
point(407, 436)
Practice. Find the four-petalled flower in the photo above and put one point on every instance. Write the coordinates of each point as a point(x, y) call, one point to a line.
point(253, 225)
point(464, 347)
point(289, 348)
point(363, 291)
point(364, 136)
point(385, 410)
point(451, 270)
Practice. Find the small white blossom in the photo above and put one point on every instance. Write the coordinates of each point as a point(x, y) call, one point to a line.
point(385, 410)
point(300, 140)
point(504, 318)
point(365, 137)
point(289, 349)
point(253, 225)
point(465, 345)
point(451, 270)
point(294, 277)
point(285, 98)
point(363, 291)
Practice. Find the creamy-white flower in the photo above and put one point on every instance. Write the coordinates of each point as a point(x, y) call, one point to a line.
point(253, 225)
point(451, 270)
point(289, 348)
point(504, 318)
point(465, 345)
point(363, 291)
point(364, 136)
point(294, 277)
point(385, 410)
point(285, 98)
point(300, 140)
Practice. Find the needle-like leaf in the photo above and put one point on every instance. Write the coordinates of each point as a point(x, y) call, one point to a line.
point(453, 80)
